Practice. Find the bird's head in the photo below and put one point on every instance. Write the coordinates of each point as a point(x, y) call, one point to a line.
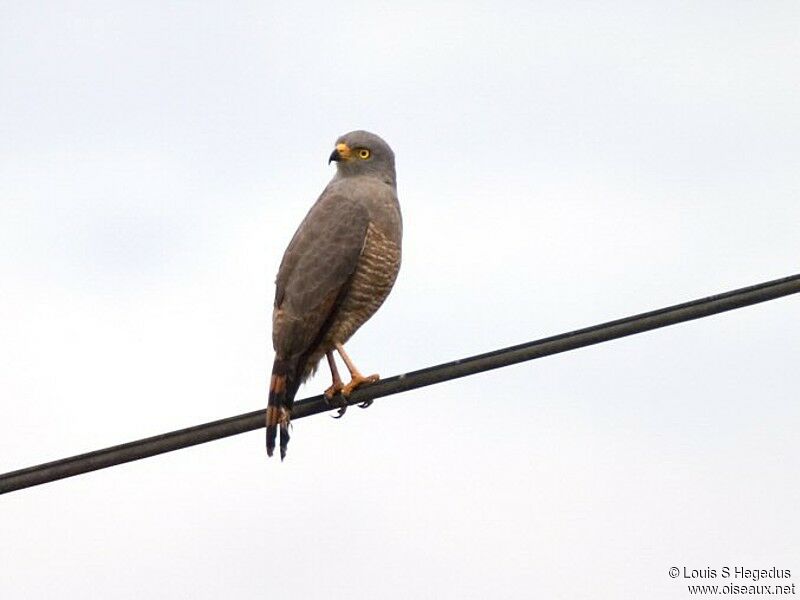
point(363, 153)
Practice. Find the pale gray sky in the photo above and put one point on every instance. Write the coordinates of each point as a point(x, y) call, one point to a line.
point(559, 164)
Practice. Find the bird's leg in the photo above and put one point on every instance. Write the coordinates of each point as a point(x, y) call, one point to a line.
point(356, 378)
point(336, 386)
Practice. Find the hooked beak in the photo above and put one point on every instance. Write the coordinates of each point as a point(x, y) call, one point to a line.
point(341, 152)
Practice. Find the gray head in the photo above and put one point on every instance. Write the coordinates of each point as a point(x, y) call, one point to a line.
point(363, 153)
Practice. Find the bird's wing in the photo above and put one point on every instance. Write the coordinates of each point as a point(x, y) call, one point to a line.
point(315, 271)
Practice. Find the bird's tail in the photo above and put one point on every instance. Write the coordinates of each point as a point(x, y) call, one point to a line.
point(283, 386)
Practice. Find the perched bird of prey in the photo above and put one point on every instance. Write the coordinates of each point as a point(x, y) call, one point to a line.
point(336, 272)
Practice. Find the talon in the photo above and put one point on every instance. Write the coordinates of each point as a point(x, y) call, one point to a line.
point(366, 404)
point(335, 401)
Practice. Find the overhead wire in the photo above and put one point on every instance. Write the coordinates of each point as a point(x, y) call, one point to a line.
point(199, 434)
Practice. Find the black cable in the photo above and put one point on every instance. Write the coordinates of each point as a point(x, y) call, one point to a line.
point(167, 442)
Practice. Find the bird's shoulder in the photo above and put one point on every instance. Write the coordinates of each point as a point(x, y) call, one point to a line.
point(324, 250)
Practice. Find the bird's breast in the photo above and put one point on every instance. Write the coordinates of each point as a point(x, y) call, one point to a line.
point(372, 281)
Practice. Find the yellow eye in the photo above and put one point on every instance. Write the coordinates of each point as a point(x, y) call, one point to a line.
point(363, 153)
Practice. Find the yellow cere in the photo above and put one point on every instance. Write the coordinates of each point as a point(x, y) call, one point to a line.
point(343, 150)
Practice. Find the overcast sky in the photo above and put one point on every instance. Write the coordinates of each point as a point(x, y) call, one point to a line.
point(559, 164)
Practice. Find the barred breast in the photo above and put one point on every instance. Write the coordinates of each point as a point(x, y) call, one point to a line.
point(372, 281)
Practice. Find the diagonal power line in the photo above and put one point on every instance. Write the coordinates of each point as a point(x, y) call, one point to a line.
point(183, 438)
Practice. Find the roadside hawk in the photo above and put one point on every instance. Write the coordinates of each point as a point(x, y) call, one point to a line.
point(335, 273)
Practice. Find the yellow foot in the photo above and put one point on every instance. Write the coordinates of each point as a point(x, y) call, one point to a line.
point(356, 382)
point(335, 388)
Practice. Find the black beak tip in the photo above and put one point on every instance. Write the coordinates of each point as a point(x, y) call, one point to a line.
point(334, 157)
